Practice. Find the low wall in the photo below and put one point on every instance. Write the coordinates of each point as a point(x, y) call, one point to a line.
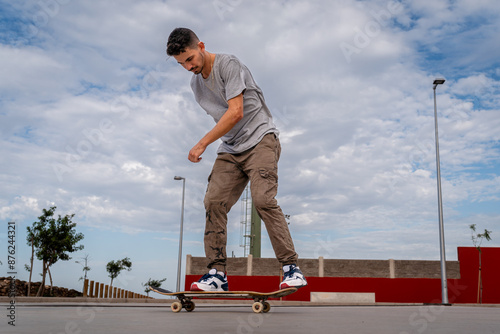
point(331, 268)
point(392, 281)
point(20, 288)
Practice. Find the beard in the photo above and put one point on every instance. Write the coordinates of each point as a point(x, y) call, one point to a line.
point(198, 69)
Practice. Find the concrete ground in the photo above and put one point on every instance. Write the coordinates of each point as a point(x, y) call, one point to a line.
point(38, 318)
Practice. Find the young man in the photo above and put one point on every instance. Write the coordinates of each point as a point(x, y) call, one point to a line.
point(250, 151)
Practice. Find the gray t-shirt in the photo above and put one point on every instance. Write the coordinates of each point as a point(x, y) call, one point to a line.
point(228, 79)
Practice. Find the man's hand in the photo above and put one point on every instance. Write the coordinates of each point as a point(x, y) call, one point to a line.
point(196, 152)
point(233, 115)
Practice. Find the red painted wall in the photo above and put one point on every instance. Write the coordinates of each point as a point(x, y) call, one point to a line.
point(396, 290)
point(469, 275)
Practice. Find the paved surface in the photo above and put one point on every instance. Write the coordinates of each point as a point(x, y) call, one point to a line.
point(222, 319)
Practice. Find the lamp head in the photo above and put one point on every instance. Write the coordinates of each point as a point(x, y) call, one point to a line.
point(178, 178)
point(439, 81)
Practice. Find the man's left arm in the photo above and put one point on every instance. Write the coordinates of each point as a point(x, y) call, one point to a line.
point(231, 117)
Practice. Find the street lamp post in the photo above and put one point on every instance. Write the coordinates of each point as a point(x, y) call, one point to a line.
point(444, 284)
point(179, 261)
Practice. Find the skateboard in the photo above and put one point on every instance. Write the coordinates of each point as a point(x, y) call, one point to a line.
point(260, 304)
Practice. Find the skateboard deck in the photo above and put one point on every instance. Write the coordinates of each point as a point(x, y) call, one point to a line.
point(184, 298)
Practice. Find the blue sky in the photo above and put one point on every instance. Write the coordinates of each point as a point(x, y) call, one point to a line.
point(95, 119)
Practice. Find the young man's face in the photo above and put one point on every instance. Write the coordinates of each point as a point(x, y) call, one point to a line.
point(192, 59)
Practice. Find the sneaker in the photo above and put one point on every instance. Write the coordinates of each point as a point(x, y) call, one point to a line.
point(213, 281)
point(293, 277)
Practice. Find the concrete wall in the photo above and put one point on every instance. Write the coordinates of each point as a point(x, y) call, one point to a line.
point(331, 268)
point(392, 281)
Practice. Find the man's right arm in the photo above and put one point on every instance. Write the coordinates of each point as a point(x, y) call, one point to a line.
point(231, 117)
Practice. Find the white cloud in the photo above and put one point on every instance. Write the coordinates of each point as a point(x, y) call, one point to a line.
point(20, 208)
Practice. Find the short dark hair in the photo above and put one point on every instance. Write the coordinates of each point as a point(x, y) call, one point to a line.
point(179, 40)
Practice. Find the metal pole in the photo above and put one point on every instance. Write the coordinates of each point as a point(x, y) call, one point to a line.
point(179, 261)
point(444, 284)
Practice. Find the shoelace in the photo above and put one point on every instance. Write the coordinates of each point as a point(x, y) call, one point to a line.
point(290, 273)
point(205, 277)
point(208, 276)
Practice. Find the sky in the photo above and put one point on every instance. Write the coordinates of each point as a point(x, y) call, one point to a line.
point(97, 120)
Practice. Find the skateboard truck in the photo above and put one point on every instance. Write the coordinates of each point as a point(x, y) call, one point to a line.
point(261, 305)
point(184, 302)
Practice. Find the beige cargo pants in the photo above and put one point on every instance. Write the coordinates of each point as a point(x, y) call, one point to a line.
point(229, 177)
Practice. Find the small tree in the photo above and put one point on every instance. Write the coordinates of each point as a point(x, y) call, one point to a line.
point(53, 239)
point(152, 283)
point(27, 267)
point(115, 267)
point(477, 240)
point(86, 268)
point(31, 264)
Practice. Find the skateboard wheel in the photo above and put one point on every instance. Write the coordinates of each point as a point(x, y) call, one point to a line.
point(176, 307)
point(189, 306)
point(257, 307)
point(267, 307)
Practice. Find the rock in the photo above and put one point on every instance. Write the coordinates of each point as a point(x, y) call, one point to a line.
point(21, 287)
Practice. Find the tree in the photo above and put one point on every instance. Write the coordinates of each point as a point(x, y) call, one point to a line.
point(152, 283)
point(115, 267)
point(31, 264)
point(53, 240)
point(86, 268)
point(28, 269)
point(477, 240)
